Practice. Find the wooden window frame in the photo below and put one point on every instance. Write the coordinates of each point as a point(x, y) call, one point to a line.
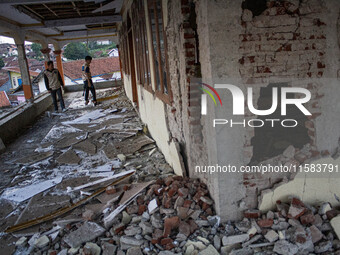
point(167, 98)
point(141, 45)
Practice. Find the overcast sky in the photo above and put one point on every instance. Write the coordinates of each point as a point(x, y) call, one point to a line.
point(4, 39)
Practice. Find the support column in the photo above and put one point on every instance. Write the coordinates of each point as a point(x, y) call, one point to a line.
point(59, 63)
point(120, 64)
point(24, 70)
point(46, 52)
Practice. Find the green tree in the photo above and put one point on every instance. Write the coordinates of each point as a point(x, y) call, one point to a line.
point(2, 64)
point(76, 50)
point(36, 47)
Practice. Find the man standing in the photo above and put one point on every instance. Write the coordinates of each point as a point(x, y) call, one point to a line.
point(53, 83)
point(88, 84)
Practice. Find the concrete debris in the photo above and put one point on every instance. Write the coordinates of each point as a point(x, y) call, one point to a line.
point(151, 211)
point(41, 242)
point(85, 233)
point(21, 194)
point(69, 157)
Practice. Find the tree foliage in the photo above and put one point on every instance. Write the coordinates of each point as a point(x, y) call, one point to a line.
point(76, 50)
point(36, 47)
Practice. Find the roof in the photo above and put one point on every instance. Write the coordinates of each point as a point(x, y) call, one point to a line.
point(99, 66)
point(4, 101)
point(17, 70)
point(3, 77)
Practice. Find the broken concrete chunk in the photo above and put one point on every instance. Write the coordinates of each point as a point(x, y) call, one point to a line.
point(41, 242)
point(21, 242)
point(289, 152)
point(271, 236)
point(228, 240)
point(109, 249)
point(69, 157)
point(325, 207)
point(285, 248)
point(210, 250)
point(121, 157)
point(323, 247)
point(127, 242)
point(335, 223)
point(85, 233)
point(134, 251)
point(316, 234)
point(91, 248)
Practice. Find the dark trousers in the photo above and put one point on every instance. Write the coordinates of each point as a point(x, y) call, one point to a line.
point(92, 89)
point(54, 94)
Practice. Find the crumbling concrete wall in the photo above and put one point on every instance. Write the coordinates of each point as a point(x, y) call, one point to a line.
point(295, 42)
point(291, 42)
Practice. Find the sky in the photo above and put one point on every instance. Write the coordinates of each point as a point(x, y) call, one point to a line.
point(4, 39)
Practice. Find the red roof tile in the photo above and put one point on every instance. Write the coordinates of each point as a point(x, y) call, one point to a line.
point(99, 66)
point(17, 70)
point(4, 101)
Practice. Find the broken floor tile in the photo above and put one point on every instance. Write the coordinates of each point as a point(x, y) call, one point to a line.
point(20, 194)
point(69, 157)
point(85, 233)
point(128, 146)
point(86, 146)
point(228, 240)
point(35, 157)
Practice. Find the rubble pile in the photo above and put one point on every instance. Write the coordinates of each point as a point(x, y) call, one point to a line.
point(151, 211)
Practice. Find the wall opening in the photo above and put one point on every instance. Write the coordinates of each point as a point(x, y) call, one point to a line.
point(271, 141)
point(255, 6)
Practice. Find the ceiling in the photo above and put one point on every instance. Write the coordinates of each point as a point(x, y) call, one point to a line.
point(60, 21)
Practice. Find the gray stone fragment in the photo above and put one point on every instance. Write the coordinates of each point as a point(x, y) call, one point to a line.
point(109, 249)
point(285, 248)
point(85, 233)
point(217, 242)
point(323, 247)
point(227, 240)
point(210, 250)
point(134, 251)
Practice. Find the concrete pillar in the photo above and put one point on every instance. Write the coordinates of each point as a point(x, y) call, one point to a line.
point(24, 70)
point(59, 63)
point(46, 52)
point(120, 64)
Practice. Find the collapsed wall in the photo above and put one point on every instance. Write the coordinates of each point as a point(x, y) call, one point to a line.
point(263, 45)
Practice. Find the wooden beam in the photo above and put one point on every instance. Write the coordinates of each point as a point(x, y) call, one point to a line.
point(48, 8)
point(116, 4)
point(82, 21)
point(78, 33)
point(76, 8)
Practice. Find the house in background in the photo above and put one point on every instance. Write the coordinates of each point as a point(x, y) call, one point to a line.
point(113, 53)
point(15, 76)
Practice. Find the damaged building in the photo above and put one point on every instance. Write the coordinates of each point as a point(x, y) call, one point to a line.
point(169, 48)
point(224, 129)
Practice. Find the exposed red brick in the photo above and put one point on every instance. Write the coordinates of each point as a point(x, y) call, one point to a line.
point(165, 241)
point(169, 224)
point(252, 214)
point(332, 213)
point(141, 209)
point(189, 35)
point(187, 203)
point(307, 219)
point(265, 223)
point(300, 239)
point(320, 64)
point(126, 187)
point(110, 190)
